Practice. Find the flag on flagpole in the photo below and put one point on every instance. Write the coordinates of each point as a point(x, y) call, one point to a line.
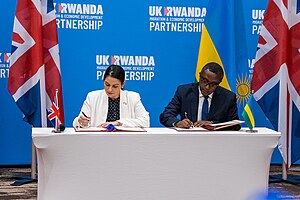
point(54, 115)
point(34, 73)
point(248, 115)
point(276, 76)
point(221, 43)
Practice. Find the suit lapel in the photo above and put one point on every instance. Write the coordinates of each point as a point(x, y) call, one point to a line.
point(103, 108)
point(214, 103)
point(123, 105)
point(195, 102)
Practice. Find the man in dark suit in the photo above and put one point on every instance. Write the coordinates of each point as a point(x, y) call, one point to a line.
point(202, 103)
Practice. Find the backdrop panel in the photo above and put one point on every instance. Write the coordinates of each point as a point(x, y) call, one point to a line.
point(155, 41)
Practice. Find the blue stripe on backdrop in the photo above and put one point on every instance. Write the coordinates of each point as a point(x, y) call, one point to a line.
point(15, 135)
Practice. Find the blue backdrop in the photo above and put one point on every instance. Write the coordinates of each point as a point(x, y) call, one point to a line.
point(155, 41)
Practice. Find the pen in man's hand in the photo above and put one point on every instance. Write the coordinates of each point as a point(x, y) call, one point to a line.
point(185, 115)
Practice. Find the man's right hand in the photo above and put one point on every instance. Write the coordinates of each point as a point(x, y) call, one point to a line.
point(185, 123)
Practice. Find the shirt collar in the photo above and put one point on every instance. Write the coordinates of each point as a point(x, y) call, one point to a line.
point(201, 95)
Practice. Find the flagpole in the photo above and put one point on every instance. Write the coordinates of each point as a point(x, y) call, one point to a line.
point(284, 171)
point(56, 119)
point(33, 162)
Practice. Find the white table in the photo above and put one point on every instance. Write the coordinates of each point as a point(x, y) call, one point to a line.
point(160, 164)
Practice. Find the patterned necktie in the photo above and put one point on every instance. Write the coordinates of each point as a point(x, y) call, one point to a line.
point(205, 109)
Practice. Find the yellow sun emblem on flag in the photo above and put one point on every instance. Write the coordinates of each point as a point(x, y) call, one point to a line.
point(243, 90)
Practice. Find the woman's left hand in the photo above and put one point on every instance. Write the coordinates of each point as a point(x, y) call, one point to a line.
point(115, 123)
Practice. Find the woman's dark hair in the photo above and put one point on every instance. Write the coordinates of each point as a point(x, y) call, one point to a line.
point(115, 71)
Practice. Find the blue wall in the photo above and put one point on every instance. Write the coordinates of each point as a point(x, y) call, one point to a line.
point(119, 29)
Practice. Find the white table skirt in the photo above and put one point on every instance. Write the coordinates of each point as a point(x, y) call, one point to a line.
point(160, 164)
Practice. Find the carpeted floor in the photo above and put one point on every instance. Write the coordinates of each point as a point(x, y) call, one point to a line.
point(280, 190)
point(289, 189)
point(8, 177)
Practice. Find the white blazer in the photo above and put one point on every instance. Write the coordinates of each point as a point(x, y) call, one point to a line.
point(132, 111)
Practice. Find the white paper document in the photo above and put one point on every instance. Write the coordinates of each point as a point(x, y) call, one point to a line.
point(118, 129)
point(190, 129)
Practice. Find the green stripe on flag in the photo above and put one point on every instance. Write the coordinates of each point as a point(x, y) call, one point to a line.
point(248, 117)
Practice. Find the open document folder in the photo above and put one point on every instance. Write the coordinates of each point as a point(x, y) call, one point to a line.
point(212, 127)
point(117, 129)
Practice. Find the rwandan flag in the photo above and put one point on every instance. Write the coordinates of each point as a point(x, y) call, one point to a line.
point(223, 41)
point(247, 113)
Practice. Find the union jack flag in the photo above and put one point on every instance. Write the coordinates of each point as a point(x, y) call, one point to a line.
point(276, 76)
point(54, 114)
point(34, 74)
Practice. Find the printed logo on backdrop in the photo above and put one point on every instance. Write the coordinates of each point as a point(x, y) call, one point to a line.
point(243, 84)
point(137, 68)
point(243, 88)
point(176, 18)
point(79, 16)
point(243, 81)
point(4, 65)
point(257, 19)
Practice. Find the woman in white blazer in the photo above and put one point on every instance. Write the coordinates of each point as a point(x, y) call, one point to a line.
point(112, 105)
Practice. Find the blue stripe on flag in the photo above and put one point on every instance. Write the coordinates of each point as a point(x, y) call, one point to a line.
point(295, 134)
point(271, 108)
point(30, 105)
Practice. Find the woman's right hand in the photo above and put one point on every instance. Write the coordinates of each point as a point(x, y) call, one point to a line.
point(84, 121)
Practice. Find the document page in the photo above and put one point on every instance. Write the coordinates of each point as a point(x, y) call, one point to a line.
point(233, 122)
point(221, 125)
point(118, 129)
point(130, 129)
point(190, 129)
point(90, 129)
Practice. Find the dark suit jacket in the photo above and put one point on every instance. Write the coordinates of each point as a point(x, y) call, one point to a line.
point(186, 99)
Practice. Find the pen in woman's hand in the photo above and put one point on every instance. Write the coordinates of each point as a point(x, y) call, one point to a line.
point(88, 118)
point(84, 114)
point(84, 120)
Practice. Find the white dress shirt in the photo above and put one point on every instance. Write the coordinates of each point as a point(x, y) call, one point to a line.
point(201, 99)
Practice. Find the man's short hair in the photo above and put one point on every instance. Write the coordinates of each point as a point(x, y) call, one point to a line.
point(213, 67)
